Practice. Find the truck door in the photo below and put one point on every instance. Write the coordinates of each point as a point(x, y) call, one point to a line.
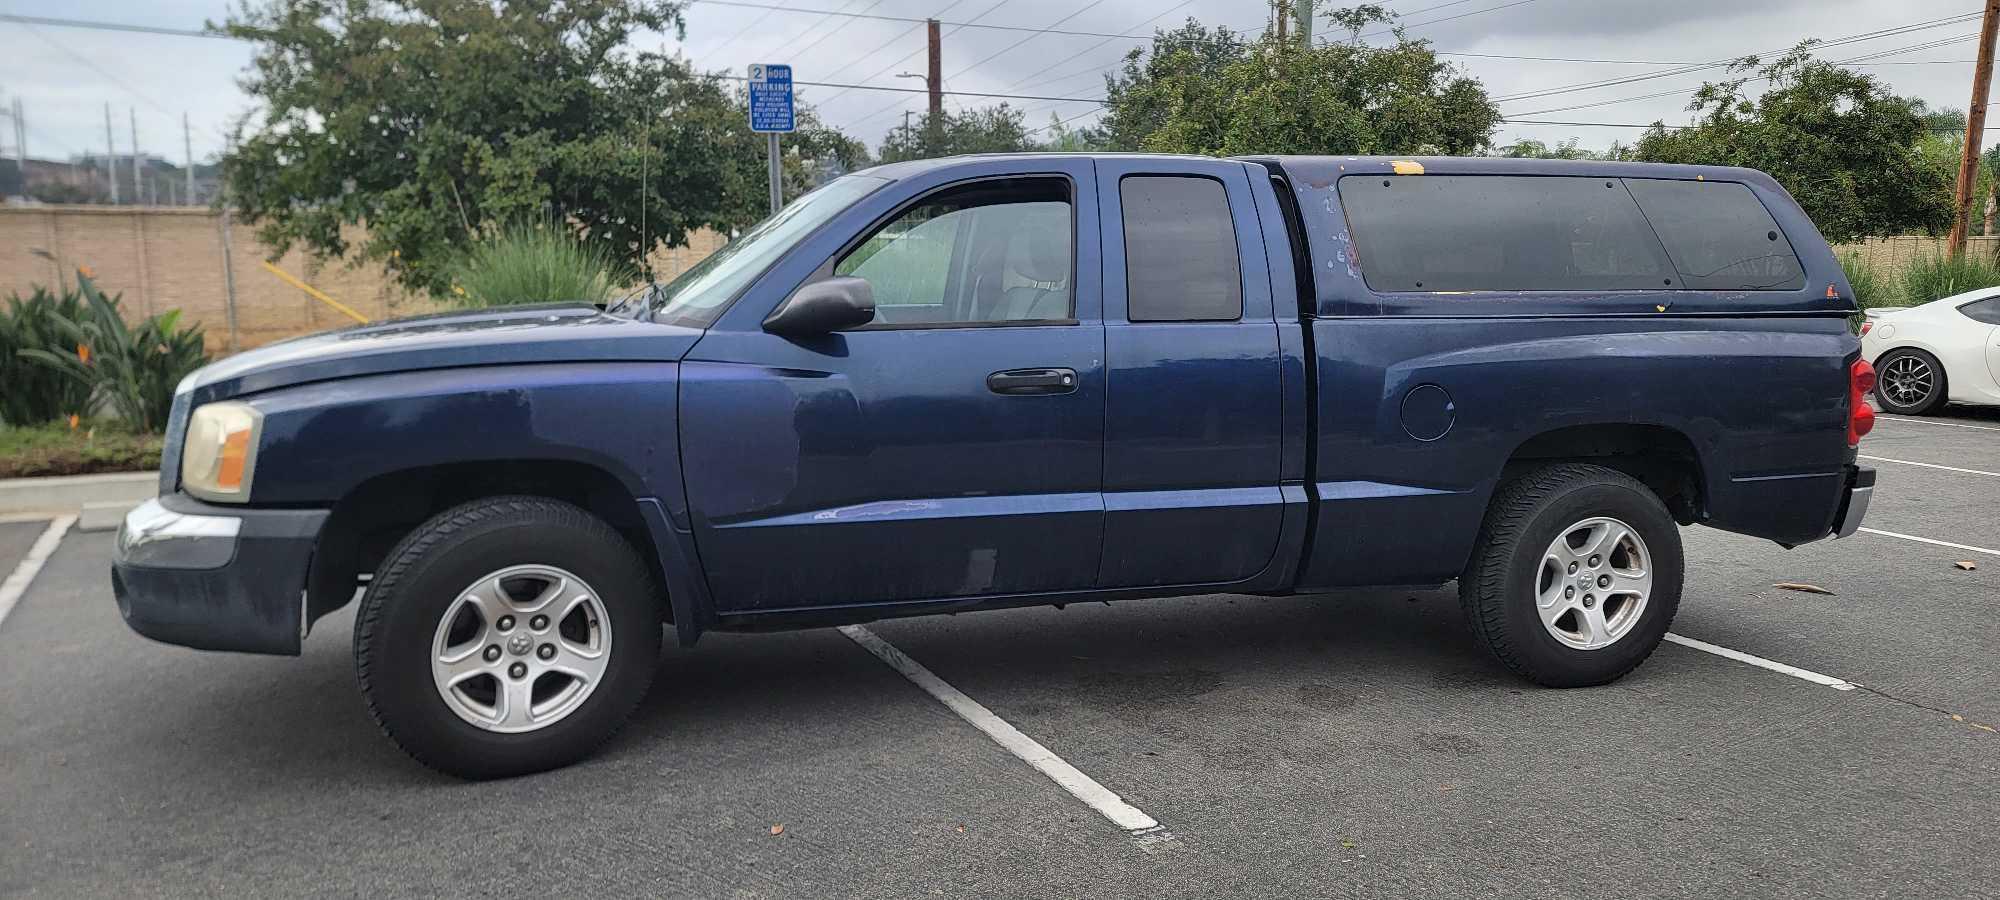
point(1194, 415)
point(951, 448)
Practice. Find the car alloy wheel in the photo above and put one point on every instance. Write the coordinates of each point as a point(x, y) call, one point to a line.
point(521, 649)
point(1593, 583)
point(1907, 381)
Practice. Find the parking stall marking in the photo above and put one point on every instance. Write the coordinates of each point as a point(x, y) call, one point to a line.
point(1882, 418)
point(1762, 663)
point(1909, 462)
point(18, 518)
point(1029, 750)
point(31, 565)
point(1933, 541)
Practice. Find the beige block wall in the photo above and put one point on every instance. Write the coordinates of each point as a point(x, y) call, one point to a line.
point(172, 258)
point(1891, 255)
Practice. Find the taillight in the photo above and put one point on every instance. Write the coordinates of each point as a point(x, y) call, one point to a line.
point(1860, 416)
point(1865, 325)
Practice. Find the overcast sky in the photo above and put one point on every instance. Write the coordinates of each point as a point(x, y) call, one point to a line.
point(65, 76)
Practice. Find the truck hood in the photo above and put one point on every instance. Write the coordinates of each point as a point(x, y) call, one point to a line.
point(521, 334)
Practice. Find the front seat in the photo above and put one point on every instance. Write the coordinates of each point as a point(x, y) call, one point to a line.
point(1037, 277)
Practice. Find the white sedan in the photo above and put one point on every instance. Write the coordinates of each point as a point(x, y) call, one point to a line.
point(1944, 350)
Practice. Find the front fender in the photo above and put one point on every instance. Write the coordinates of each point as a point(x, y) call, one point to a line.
point(322, 440)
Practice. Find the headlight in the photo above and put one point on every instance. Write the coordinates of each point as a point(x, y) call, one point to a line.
point(219, 455)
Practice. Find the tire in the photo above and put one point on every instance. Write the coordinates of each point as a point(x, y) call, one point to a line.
point(1919, 387)
point(1515, 557)
point(599, 597)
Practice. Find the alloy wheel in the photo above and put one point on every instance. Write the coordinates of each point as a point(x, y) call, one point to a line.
point(521, 648)
point(1593, 583)
point(1907, 380)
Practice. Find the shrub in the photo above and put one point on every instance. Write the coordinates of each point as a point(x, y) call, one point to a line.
point(88, 446)
point(31, 393)
point(131, 369)
point(1871, 289)
point(1939, 275)
point(534, 264)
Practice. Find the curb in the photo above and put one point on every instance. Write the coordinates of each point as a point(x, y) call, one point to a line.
point(101, 501)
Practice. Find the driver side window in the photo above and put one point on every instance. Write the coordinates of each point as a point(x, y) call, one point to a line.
point(990, 252)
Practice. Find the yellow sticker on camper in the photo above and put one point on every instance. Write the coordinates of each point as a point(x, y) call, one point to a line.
point(1407, 167)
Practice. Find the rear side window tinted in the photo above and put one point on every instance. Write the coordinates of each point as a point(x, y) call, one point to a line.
point(1987, 310)
point(1719, 236)
point(1180, 250)
point(1502, 233)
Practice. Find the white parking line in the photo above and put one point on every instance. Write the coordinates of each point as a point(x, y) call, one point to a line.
point(1933, 541)
point(1082, 786)
point(1882, 418)
point(17, 518)
point(17, 583)
point(1909, 462)
point(1762, 663)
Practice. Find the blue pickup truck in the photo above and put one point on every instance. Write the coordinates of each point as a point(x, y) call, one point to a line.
point(996, 381)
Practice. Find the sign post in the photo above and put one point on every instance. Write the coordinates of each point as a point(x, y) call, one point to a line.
point(771, 113)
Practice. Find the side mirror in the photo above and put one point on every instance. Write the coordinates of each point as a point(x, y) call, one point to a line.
point(828, 305)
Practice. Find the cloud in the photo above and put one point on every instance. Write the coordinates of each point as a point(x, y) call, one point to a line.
point(162, 76)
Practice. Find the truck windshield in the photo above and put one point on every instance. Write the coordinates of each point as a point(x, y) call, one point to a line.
point(697, 296)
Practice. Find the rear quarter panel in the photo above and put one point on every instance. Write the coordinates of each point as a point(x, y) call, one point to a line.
point(1756, 381)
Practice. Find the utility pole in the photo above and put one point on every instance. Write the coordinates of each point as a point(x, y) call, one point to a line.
point(935, 79)
point(139, 193)
point(110, 156)
point(1975, 129)
point(1302, 10)
point(21, 144)
point(187, 149)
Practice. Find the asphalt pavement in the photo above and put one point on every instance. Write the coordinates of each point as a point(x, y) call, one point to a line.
point(1342, 745)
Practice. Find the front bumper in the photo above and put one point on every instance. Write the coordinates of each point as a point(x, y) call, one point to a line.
point(215, 577)
point(1854, 505)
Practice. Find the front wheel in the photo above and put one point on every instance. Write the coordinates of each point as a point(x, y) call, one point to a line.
point(1576, 575)
point(507, 636)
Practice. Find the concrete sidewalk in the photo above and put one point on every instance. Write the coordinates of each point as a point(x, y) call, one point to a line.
point(100, 501)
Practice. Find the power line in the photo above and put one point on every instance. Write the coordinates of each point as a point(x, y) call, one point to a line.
point(830, 12)
point(1010, 47)
point(1660, 125)
point(112, 26)
point(1061, 123)
point(1419, 12)
point(1449, 18)
point(884, 46)
point(1851, 39)
point(1128, 36)
point(88, 64)
point(774, 54)
point(898, 104)
point(1928, 45)
point(910, 90)
point(1658, 62)
point(768, 10)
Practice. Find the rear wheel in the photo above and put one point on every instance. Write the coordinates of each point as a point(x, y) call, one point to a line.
point(1576, 575)
point(507, 636)
point(1909, 382)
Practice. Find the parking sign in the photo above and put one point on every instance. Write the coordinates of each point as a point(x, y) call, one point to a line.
point(770, 98)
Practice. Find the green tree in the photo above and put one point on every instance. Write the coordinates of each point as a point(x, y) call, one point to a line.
point(1203, 90)
point(433, 122)
point(1061, 137)
point(1533, 149)
point(1846, 148)
point(988, 129)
